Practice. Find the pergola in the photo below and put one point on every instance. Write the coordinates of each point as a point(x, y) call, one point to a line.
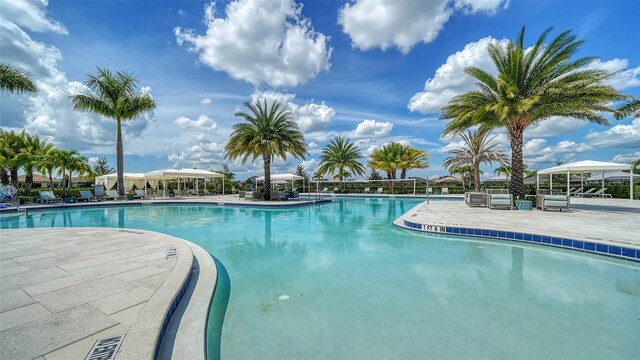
point(585, 166)
point(154, 177)
point(130, 179)
point(275, 178)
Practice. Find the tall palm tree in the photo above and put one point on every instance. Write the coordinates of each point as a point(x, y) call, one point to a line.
point(412, 158)
point(32, 152)
point(15, 80)
point(48, 163)
point(532, 85)
point(267, 131)
point(631, 108)
point(115, 96)
point(340, 158)
point(477, 150)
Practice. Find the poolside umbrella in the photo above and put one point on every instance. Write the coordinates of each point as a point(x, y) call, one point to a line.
point(130, 180)
point(176, 173)
point(278, 178)
point(586, 166)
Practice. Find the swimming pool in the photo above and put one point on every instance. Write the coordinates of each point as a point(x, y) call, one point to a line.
point(338, 280)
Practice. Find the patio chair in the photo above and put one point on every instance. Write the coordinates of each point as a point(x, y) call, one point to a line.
point(49, 197)
point(559, 202)
point(429, 191)
point(335, 190)
point(8, 194)
point(86, 195)
point(475, 199)
point(367, 191)
point(111, 194)
point(495, 201)
point(141, 194)
point(325, 190)
point(278, 196)
point(99, 190)
point(587, 193)
point(444, 191)
point(601, 193)
point(379, 191)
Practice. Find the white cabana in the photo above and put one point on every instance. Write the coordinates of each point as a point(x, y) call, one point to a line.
point(282, 178)
point(586, 166)
point(617, 176)
point(154, 177)
point(130, 180)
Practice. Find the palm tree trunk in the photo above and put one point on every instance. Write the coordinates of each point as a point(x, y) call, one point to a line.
point(517, 181)
point(119, 159)
point(476, 177)
point(4, 176)
point(14, 176)
point(267, 176)
point(28, 181)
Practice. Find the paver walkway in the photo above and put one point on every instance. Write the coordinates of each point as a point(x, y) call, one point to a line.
point(62, 289)
point(610, 221)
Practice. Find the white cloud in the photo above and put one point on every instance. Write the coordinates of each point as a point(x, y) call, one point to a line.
point(202, 123)
point(271, 96)
point(618, 136)
point(290, 51)
point(30, 14)
point(373, 128)
point(451, 80)
point(625, 77)
point(206, 101)
point(204, 154)
point(49, 113)
point(555, 126)
point(312, 117)
point(181, 12)
point(310, 165)
point(402, 24)
point(536, 153)
point(626, 158)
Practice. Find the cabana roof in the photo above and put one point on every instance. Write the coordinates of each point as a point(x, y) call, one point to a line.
point(280, 177)
point(132, 176)
point(174, 173)
point(584, 166)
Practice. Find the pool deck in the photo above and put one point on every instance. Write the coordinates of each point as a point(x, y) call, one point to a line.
point(613, 222)
point(62, 289)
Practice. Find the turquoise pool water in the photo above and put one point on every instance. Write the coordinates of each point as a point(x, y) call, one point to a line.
point(339, 281)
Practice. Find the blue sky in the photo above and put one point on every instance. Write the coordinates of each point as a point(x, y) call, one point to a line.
point(374, 71)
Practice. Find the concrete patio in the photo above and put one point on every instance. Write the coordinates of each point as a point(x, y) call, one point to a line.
point(608, 221)
point(62, 289)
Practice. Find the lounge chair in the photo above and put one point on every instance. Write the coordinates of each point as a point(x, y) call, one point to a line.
point(475, 199)
point(601, 193)
point(367, 191)
point(278, 196)
point(86, 195)
point(140, 194)
point(429, 191)
point(335, 190)
point(576, 191)
point(444, 191)
point(379, 191)
point(99, 189)
point(500, 201)
point(587, 193)
point(325, 190)
point(49, 197)
point(546, 202)
point(111, 194)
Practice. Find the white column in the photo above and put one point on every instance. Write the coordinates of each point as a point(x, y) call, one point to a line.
point(414, 186)
point(222, 185)
point(537, 181)
point(567, 182)
point(550, 181)
point(630, 184)
point(164, 186)
point(603, 182)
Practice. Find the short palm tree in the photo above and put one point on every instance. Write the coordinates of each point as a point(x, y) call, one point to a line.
point(11, 144)
point(15, 80)
point(477, 150)
point(32, 152)
point(413, 158)
point(115, 96)
point(340, 158)
point(466, 174)
point(532, 85)
point(387, 159)
point(267, 132)
point(66, 163)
